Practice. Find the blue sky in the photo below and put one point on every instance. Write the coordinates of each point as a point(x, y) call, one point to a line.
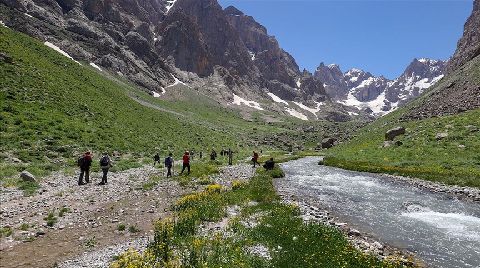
point(382, 37)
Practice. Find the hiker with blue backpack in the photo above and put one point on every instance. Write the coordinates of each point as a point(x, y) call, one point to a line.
point(105, 165)
point(169, 164)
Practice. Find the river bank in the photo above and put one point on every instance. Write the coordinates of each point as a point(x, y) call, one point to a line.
point(441, 229)
point(461, 192)
point(312, 211)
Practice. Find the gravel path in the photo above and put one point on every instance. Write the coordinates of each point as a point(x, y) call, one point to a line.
point(90, 221)
point(102, 255)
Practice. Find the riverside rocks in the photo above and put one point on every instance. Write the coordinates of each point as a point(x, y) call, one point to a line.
point(328, 143)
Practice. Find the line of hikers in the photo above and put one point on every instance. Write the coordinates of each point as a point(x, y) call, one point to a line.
point(85, 162)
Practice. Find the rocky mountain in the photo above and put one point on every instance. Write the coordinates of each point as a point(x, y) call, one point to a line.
point(460, 91)
point(468, 46)
point(378, 95)
point(157, 44)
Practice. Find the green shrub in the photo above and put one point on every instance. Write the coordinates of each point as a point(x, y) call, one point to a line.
point(121, 227)
point(50, 219)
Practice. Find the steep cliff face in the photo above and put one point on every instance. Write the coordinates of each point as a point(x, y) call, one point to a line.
point(153, 42)
point(379, 95)
point(224, 46)
point(468, 46)
point(272, 61)
point(114, 34)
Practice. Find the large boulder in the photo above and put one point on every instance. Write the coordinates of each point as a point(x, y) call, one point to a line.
point(27, 176)
point(394, 132)
point(328, 143)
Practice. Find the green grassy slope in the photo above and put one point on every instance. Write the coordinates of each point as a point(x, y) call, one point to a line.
point(51, 109)
point(453, 160)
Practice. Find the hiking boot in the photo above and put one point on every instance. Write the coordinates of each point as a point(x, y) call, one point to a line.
point(81, 183)
point(102, 183)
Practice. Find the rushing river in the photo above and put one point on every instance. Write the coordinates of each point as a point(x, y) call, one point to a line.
point(441, 230)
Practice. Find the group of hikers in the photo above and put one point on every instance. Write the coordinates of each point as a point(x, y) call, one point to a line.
point(85, 162)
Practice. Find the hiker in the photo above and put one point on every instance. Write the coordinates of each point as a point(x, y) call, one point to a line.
point(169, 164)
point(201, 155)
point(84, 162)
point(269, 164)
point(255, 159)
point(230, 157)
point(156, 159)
point(213, 155)
point(186, 163)
point(105, 165)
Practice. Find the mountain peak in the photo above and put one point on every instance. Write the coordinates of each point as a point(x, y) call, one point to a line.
point(360, 89)
point(425, 67)
point(231, 10)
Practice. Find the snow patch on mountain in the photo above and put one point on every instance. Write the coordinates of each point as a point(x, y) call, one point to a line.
point(28, 15)
point(3, 24)
point(361, 89)
point(54, 47)
point(237, 100)
point(375, 105)
point(299, 83)
point(177, 82)
point(95, 66)
point(170, 4)
point(306, 108)
point(252, 55)
point(296, 114)
point(276, 98)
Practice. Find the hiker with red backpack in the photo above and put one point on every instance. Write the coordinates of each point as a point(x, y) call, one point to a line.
point(84, 162)
point(105, 165)
point(186, 162)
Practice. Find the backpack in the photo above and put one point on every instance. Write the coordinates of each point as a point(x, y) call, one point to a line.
point(104, 161)
point(80, 161)
point(168, 161)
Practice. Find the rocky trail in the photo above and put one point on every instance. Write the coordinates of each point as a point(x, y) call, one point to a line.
point(88, 233)
point(93, 216)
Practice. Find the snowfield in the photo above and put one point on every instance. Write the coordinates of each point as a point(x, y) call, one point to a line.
point(276, 98)
point(375, 105)
point(54, 47)
point(237, 100)
point(306, 108)
point(296, 114)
